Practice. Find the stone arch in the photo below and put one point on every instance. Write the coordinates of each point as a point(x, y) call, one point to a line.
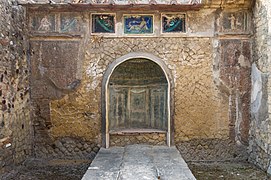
point(105, 93)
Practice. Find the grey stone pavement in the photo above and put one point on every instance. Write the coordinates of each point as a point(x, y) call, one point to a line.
point(138, 162)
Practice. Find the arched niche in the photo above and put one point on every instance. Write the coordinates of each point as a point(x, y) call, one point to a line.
point(136, 96)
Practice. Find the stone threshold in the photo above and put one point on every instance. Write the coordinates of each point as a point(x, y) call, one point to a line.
point(136, 131)
point(133, 162)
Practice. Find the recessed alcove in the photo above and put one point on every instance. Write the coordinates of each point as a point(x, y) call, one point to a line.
point(137, 98)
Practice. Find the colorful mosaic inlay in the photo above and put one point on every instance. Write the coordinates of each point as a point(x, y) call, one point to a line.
point(138, 24)
point(103, 23)
point(173, 23)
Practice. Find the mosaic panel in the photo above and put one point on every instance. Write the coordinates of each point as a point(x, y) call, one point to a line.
point(173, 23)
point(138, 24)
point(70, 23)
point(42, 22)
point(103, 23)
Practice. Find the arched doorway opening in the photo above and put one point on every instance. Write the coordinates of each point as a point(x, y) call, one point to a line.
point(136, 97)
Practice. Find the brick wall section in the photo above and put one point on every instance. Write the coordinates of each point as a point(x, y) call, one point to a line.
point(260, 137)
point(15, 124)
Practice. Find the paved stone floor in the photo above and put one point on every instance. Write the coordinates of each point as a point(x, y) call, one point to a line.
point(135, 162)
point(48, 169)
point(74, 169)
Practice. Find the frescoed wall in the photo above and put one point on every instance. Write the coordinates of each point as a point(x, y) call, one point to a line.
point(55, 55)
point(209, 75)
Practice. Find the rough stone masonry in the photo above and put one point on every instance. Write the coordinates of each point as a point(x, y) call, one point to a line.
point(16, 133)
point(53, 66)
point(209, 67)
point(259, 146)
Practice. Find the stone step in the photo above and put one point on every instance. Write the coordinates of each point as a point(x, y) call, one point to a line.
point(133, 162)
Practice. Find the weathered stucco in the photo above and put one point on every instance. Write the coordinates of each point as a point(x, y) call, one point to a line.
point(208, 64)
point(210, 77)
point(75, 114)
point(196, 92)
point(259, 149)
point(78, 113)
point(218, 96)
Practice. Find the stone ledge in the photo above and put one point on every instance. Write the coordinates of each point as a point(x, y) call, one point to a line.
point(136, 131)
point(111, 7)
point(188, 4)
point(113, 2)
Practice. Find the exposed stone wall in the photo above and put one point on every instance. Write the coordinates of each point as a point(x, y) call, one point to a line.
point(211, 76)
point(78, 114)
point(210, 65)
point(138, 138)
point(68, 148)
point(260, 137)
point(71, 117)
point(212, 150)
point(61, 110)
point(15, 123)
point(190, 61)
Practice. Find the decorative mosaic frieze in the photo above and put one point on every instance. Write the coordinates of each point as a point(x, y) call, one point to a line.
point(56, 23)
point(138, 24)
point(103, 23)
point(173, 23)
point(107, 24)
